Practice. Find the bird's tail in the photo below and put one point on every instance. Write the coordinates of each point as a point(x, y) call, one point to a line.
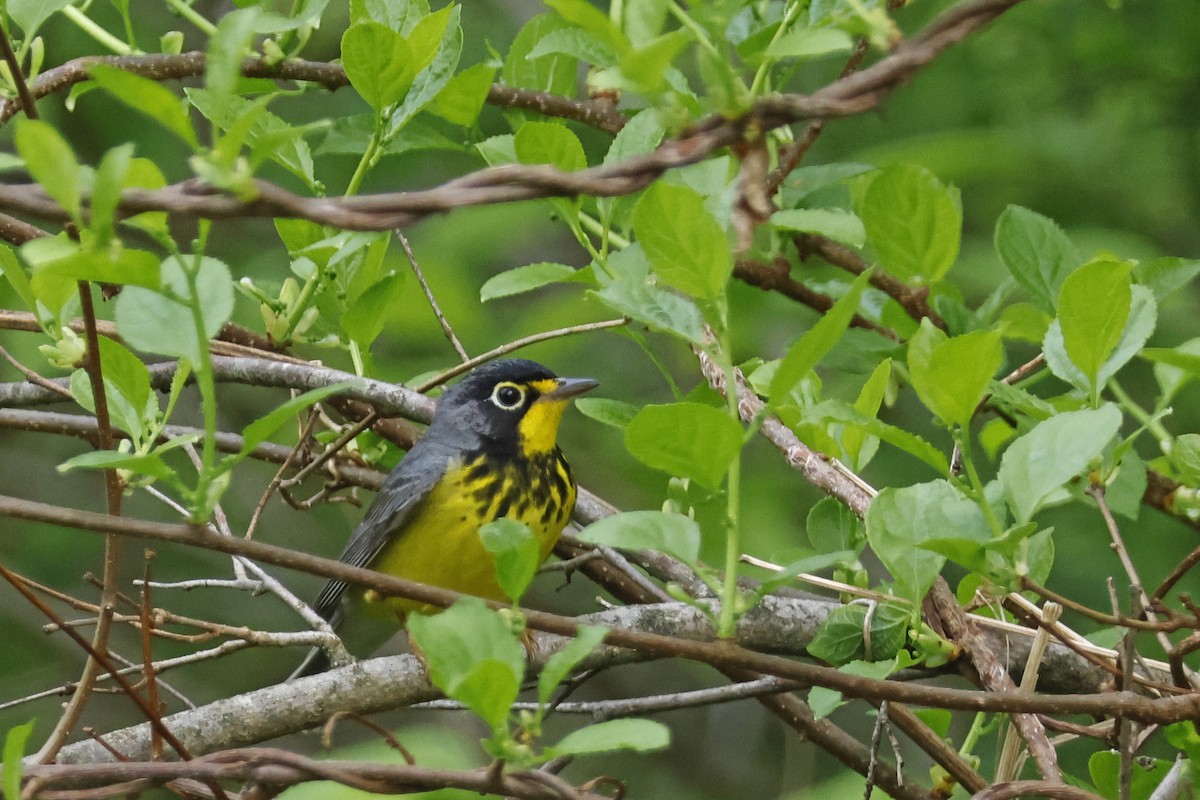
point(315, 662)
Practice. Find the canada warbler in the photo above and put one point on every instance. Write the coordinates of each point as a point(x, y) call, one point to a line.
point(489, 453)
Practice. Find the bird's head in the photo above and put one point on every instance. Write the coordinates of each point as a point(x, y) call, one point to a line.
point(512, 406)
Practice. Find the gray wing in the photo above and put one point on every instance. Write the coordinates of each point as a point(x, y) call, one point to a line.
point(404, 489)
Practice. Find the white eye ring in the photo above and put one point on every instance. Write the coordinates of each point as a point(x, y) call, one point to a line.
point(508, 396)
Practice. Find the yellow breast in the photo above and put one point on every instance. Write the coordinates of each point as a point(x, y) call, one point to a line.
point(439, 544)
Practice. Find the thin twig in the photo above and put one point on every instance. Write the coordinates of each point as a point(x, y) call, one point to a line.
point(34, 377)
point(433, 303)
point(517, 344)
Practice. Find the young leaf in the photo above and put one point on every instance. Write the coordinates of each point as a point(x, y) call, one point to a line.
point(686, 246)
point(638, 735)
point(516, 552)
point(913, 221)
point(1093, 306)
point(261, 429)
point(685, 439)
point(377, 62)
point(150, 464)
point(809, 349)
point(14, 749)
point(149, 97)
point(648, 530)
point(951, 375)
point(559, 665)
point(52, 163)
point(860, 447)
point(473, 656)
point(1054, 452)
point(900, 520)
point(1037, 253)
point(127, 387)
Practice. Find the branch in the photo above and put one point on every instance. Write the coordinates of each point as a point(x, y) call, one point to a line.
point(852, 94)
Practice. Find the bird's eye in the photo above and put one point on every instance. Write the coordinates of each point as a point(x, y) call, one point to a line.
point(508, 396)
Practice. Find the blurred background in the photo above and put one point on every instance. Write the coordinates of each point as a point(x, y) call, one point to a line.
point(1087, 112)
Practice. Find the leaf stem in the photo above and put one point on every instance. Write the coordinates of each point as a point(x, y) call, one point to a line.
point(96, 32)
point(964, 446)
point(727, 623)
point(186, 11)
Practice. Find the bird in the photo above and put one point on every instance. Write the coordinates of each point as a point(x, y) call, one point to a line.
point(490, 452)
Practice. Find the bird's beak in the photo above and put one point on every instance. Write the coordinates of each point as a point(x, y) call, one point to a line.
point(566, 388)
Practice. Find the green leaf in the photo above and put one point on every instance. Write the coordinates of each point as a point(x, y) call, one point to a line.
point(1037, 253)
point(1054, 452)
point(686, 246)
point(900, 520)
point(825, 701)
point(1093, 306)
point(52, 163)
point(554, 73)
point(549, 143)
point(15, 273)
point(473, 656)
point(685, 439)
point(839, 639)
point(517, 554)
point(1185, 455)
point(148, 464)
point(268, 136)
point(377, 63)
point(524, 279)
point(1104, 768)
point(163, 322)
point(1143, 317)
point(578, 44)
point(809, 349)
point(1164, 276)
point(106, 192)
point(365, 318)
point(464, 95)
point(148, 97)
point(950, 375)
point(859, 446)
point(655, 308)
point(398, 15)
point(833, 223)
point(832, 527)
point(436, 73)
point(560, 665)
point(638, 735)
point(14, 750)
point(810, 43)
point(30, 14)
point(913, 221)
point(838, 411)
point(664, 531)
point(616, 413)
point(586, 16)
point(261, 429)
point(228, 47)
point(110, 265)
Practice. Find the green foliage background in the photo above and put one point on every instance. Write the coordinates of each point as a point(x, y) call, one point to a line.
point(1083, 111)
